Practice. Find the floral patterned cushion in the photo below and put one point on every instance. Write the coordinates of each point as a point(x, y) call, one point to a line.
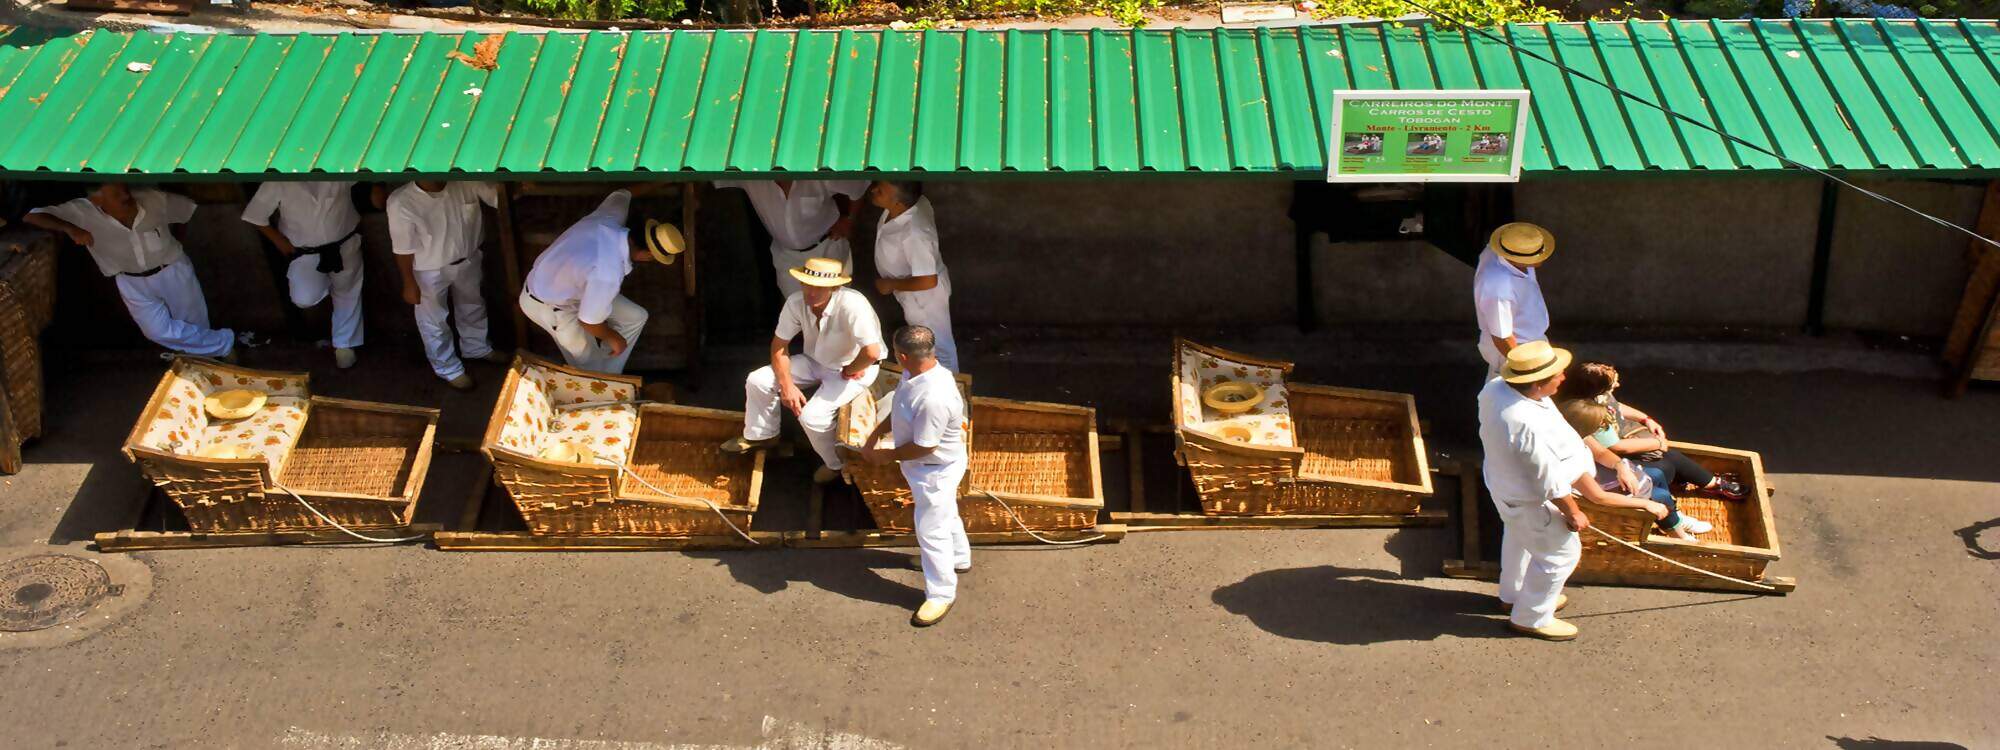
point(1269, 422)
point(610, 430)
point(271, 432)
point(534, 419)
point(528, 417)
point(179, 424)
point(176, 426)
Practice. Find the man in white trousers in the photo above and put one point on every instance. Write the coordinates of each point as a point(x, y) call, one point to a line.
point(1506, 293)
point(436, 229)
point(843, 341)
point(909, 264)
point(1535, 466)
point(927, 424)
point(134, 236)
point(806, 219)
point(572, 292)
point(319, 230)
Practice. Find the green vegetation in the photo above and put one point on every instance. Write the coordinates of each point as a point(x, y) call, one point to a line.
point(1471, 12)
point(599, 10)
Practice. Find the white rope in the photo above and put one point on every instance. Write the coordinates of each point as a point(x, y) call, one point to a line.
point(344, 529)
point(1677, 563)
point(705, 501)
point(1024, 524)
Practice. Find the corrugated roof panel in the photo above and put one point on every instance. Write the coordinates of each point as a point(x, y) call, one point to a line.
point(1851, 94)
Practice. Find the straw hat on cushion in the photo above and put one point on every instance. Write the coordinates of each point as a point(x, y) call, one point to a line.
point(233, 404)
point(821, 272)
point(1523, 243)
point(664, 241)
point(569, 452)
point(1534, 361)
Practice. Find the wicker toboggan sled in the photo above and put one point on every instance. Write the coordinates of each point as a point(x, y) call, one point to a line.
point(1301, 449)
point(1743, 542)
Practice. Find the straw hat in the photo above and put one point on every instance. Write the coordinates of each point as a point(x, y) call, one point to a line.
point(1523, 243)
point(569, 452)
point(1533, 361)
point(233, 404)
point(820, 272)
point(223, 451)
point(664, 241)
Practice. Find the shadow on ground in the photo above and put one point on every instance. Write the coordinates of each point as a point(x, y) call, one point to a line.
point(1357, 607)
point(1877, 743)
point(853, 575)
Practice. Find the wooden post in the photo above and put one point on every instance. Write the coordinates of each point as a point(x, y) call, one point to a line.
point(1135, 469)
point(510, 253)
point(1974, 324)
point(1822, 261)
point(690, 214)
point(1468, 511)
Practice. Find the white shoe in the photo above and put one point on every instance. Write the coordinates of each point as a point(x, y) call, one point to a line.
point(1695, 525)
point(929, 614)
point(343, 358)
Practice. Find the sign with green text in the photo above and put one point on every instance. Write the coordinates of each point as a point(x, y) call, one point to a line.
point(1427, 136)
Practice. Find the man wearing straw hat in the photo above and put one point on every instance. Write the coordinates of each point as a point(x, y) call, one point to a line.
point(1507, 295)
point(907, 259)
point(572, 292)
point(436, 228)
point(806, 219)
point(843, 341)
point(320, 232)
point(134, 236)
point(927, 422)
point(1535, 465)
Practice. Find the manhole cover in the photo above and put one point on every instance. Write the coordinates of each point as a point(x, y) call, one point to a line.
point(42, 591)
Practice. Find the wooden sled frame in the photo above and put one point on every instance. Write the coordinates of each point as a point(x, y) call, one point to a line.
point(132, 539)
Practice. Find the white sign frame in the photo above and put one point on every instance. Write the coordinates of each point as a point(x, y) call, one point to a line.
point(1342, 96)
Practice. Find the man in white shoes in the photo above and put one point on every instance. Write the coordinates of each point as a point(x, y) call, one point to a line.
point(1507, 295)
point(134, 236)
point(572, 292)
point(843, 341)
point(909, 264)
point(927, 425)
point(806, 219)
point(436, 229)
point(1535, 466)
point(319, 230)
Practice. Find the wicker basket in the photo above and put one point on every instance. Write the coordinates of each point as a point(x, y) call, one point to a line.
point(27, 301)
point(671, 465)
point(362, 464)
point(1744, 541)
point(1038, 459)
point(1309, 450)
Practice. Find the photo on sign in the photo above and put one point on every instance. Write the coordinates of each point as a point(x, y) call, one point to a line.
point(1489, 144)
point(1426, 144)
point(1361, 144)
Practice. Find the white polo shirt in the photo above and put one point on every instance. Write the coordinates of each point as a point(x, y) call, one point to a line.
point(144, 246)
point(1509, 300)
point(309, 213)
point(584, 268)
point(907, 247)
point(439, 228)
point(835, 337)
point(928, 411)
point(1532, 454)
point(800, 220)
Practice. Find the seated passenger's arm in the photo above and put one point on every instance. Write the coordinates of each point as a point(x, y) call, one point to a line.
point(1588, 487)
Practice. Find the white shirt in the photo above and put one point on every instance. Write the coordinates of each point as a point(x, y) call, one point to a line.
point(584, 267)
point(1509, 300)
point(309, 213)
point(928, 411)
point(438, 228)
point(800, 220)
point(907, 247)
point(144, 246)
point(1532, 454)
point(837, 336)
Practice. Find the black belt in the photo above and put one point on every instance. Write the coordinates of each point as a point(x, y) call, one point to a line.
point(329, 253)
point(147, 272)
point(552, 305)
point(456, 262)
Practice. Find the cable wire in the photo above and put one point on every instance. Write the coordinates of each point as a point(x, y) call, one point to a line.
point(622, 470)
point(1679, 564)
point(344, 529)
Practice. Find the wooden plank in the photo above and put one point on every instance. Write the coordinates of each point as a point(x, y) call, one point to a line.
point(127, 541)
point(1468, 511)
point(475, 499)
point(1196, 522)
point(815, 510)
point(1486, 571)
point(1135, 470)
point(522, 541)
point(510, 264)
point(1105, 533)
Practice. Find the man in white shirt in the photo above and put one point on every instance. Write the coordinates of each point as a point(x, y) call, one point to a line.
point(319, 230)
point(1535, 466)
point(843, 341)
point(134, 236)
point(1506, 293)
point(436, 228)
point(806, 219)
point(927, 420)
point(909, 264)
point(572, 292)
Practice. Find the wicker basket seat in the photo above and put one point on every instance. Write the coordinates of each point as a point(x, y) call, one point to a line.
point(1039, 459)
point(1743, 542)
point(360, 463)
point(1303, 450)
point(658, 466)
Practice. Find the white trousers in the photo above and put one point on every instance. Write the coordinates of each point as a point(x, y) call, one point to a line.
point(579, 348)
point(461, 282)
point(941, 541)
point(785, 260)
point(1538, 552)
point(761, 406)
point(310, 287)
point(934, 313)
point(171, 312)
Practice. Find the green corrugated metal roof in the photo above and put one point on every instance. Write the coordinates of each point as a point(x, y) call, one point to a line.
point(1841, 94)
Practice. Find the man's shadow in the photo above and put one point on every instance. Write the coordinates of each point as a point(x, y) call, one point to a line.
point(1974, 545)
point(1358, 607)
point(1877, 743)
point(854, 574)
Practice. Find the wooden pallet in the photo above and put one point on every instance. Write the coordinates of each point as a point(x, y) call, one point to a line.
point(133, 539)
